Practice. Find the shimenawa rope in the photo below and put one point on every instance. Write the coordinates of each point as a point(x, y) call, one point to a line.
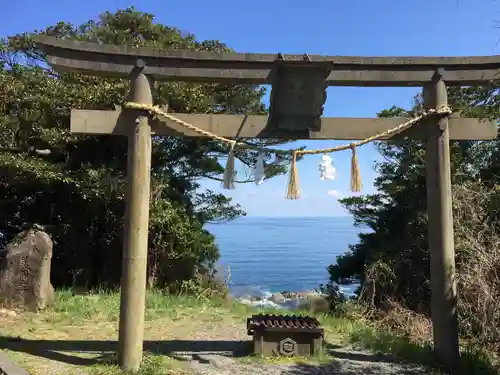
point(293, 191)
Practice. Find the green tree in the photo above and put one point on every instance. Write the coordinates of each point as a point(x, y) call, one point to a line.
point(74, 185)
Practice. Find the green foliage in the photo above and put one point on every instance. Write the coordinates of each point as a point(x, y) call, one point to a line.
point(74, 185)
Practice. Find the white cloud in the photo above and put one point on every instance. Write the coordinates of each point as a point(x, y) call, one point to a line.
point(334, 193)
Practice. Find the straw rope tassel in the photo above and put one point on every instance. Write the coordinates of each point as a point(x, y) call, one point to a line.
point(293, 182)
point(355, 173)
point(228, 182)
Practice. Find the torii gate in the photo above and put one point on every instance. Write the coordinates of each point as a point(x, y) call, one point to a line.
point(298, 94)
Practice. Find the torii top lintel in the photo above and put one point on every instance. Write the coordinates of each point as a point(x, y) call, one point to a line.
point(298, 84)
point(256, 68)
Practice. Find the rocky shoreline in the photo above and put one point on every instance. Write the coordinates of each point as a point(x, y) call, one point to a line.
point(309, 300)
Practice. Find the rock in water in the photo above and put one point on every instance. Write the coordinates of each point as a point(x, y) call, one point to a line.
point(277, 298)
point(25, 271)
point(318, 304)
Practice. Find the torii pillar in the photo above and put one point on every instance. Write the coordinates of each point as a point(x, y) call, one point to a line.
point(440, 226)
point(136, 225)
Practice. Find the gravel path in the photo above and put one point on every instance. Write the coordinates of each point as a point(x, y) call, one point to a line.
point(363, 364)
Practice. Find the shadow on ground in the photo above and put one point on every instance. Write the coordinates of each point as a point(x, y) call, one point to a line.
point(344, 361)
point(67, 351)
point(351, 369)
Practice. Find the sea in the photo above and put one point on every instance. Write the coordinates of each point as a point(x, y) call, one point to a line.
point(265, 255)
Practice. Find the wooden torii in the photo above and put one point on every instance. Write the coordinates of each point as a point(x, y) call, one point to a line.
point(298, 94)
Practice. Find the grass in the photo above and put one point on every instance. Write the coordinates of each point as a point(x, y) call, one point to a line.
point(78, 334)
point(473, 360)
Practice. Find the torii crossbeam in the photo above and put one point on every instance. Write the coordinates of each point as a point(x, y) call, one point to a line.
point(297, 98)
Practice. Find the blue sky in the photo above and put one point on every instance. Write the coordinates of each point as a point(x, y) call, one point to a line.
point(362, 27)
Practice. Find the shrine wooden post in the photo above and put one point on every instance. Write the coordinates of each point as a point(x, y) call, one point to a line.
point(440, 225)
point(135, 246)
point(297, 98)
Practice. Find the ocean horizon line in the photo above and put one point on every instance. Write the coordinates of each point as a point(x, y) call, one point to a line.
point(295, 217)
